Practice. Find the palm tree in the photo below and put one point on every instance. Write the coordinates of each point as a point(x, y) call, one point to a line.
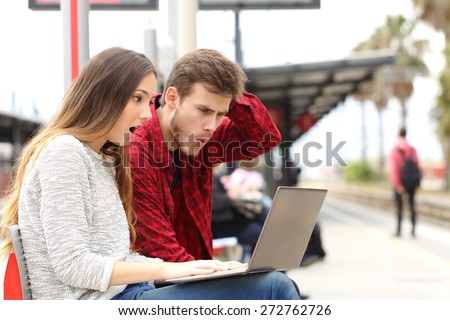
point(441, 114)
point(377, 93)
point(363, 94)
point(380, 98)
point(396, 80)
point(395, 35)
point(437, 14)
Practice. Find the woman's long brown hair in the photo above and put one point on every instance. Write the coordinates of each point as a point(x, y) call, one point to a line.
point(89, 110)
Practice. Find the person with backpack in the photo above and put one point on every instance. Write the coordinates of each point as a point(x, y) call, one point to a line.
point(405, 176)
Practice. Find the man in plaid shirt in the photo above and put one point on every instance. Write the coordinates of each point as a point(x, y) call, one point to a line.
point(203, 118)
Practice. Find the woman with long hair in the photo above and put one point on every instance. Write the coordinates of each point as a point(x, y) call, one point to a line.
point(72, 199)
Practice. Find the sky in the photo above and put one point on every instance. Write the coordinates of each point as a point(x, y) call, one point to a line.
point(31, 59)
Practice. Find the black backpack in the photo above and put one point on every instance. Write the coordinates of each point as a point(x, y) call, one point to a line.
point(410, 172)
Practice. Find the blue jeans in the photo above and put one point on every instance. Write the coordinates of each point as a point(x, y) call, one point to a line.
point(260, 286)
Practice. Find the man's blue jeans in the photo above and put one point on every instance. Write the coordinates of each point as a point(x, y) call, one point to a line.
point(260, 286)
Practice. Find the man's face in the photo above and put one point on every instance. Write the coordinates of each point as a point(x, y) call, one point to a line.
point(195, 119)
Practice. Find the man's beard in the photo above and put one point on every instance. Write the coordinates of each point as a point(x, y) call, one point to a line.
point(186, 144)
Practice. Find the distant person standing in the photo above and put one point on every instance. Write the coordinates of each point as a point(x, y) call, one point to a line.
point(405, 175)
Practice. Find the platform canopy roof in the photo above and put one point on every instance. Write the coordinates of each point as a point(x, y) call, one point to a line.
point(296, 95)
point(14, 127)
point(299, 95)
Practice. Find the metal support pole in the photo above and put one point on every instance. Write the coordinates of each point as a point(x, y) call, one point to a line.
point(151, 51)
point(186, 26)
point(237, 38)
point(75, 14)
point(363, 132)
point(150, 47)
point(83, 33)
point(16, 139)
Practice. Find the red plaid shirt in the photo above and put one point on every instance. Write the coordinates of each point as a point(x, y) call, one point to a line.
point(176, 226)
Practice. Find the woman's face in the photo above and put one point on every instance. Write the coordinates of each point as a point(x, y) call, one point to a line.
point(136, 111)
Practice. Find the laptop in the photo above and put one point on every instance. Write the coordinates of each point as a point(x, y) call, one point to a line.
point(284, 236)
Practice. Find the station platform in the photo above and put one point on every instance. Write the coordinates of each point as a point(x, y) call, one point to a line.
point(365, 261)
